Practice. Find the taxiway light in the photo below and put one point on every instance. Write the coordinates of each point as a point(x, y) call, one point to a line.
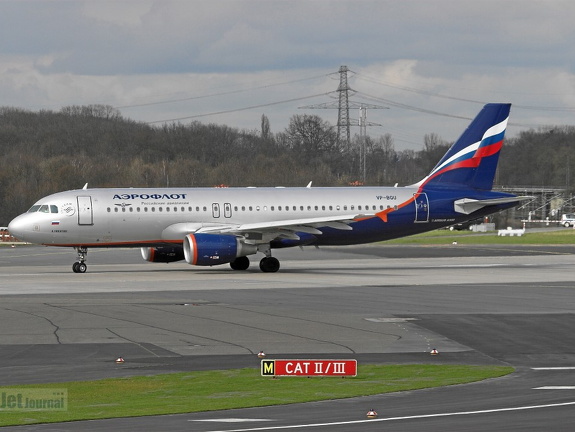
point(261, 354)
point(434, 352)
point(119, 360)
point(371, 413)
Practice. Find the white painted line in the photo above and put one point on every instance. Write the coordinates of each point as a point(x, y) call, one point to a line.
point(555, 388)
point(555, 368)
point(311, 425)
point(232, 420)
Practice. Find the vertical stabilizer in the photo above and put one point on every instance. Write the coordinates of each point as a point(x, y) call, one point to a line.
point(471, 162)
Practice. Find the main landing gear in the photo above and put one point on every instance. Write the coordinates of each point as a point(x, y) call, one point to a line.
point(80, 265)
point(268, 264)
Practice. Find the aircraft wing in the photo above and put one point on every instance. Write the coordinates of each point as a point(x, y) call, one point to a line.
point(469, 205)
point(287, 228)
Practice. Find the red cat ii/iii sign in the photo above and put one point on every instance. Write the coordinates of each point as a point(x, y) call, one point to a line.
point(309, 368)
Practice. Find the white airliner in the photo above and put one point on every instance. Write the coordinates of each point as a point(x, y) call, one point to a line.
point(211, 226)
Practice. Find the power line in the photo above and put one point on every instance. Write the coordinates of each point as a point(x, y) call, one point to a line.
point(443, 96)
point(237, 109)
point(221, 93)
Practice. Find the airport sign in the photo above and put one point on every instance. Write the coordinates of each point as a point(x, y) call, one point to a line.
point(284, 367)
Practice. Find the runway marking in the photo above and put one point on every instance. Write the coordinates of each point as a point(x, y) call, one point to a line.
point(555, 388)
point(233, 420)
point(423, 416)
point(555, 368)
point(391, 320)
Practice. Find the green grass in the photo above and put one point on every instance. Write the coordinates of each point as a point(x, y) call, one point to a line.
point(562, 237)
point(241, 388)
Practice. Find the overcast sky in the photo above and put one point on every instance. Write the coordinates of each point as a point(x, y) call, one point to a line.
point(431, 62)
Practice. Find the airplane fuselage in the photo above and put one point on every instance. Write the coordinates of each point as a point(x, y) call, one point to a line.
point(142, 217)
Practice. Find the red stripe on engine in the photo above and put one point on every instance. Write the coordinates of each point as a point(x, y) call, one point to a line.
point(194, 249)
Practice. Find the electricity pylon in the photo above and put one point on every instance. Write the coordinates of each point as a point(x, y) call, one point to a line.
point(344, 122)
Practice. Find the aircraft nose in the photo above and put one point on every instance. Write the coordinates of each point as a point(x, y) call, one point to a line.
point(17, 227)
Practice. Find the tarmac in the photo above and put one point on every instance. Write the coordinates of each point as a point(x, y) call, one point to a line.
point(507, 305)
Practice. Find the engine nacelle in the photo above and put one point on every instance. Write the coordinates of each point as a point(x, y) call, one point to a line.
point(214, 249)
point(163, 254)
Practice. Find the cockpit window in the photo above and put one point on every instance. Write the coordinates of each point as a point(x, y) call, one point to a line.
point(45, 208)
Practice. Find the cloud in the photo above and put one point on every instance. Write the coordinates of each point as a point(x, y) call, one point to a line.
point(424, 58)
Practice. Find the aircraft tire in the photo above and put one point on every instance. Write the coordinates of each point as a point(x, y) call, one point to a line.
point(240, 263)
point(269, 265)
point(79, 267)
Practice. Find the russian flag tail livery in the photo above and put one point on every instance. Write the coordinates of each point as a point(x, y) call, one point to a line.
point(471, 162)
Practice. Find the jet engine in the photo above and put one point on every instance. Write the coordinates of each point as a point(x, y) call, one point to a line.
point(163, 254)
point(214, 249)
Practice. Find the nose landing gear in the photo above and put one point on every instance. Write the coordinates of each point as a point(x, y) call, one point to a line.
point(80, 265)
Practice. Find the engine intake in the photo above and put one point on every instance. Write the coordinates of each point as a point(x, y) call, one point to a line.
point(214, 249)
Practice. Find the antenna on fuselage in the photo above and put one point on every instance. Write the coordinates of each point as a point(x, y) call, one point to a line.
point(85, 186)
point(309, 184)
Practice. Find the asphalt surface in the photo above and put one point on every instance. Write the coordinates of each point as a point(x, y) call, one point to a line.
point(504, 305)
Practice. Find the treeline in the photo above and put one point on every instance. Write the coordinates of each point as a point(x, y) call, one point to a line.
point(46, 152)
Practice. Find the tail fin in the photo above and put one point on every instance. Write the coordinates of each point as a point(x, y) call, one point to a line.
point(471, 162)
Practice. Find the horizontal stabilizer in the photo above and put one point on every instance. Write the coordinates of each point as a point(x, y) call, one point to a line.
point(470, 205)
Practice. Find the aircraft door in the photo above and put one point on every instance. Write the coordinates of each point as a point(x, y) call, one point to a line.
point(421, 207)
point(215, 210)
point(227, 210)
point(85, 212)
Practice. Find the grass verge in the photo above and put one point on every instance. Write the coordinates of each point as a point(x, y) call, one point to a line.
point(228, 389)
point(561, 237)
